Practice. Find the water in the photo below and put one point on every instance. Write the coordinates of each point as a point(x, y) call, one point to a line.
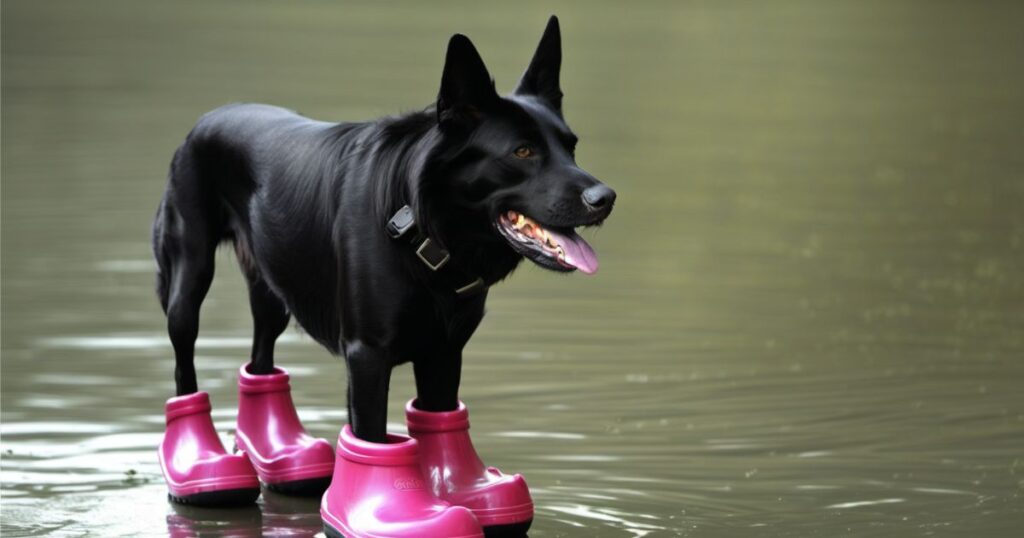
point(808, 319)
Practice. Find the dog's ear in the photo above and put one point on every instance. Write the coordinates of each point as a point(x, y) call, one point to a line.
point(541, 78)
point(466, 86)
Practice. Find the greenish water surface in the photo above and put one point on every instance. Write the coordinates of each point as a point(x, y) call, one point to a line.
point(809, 318)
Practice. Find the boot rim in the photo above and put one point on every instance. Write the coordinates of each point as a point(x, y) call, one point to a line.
point(195, 403)
point(420, 421)
point(250, 383)
point(398, 450)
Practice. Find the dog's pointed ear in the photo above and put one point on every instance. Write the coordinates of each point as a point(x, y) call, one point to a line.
point(466, 86)
point(541, 78)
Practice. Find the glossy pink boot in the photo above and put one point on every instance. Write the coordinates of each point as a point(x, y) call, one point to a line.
point(195, 465)
point(286, 458)
point(378, 490)
point(501, 503)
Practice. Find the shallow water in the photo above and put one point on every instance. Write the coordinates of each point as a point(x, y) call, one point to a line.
point(808, 319)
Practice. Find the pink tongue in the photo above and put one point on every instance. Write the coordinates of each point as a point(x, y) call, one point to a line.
point(577, 252)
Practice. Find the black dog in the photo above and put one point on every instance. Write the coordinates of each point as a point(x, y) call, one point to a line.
point(381, 238)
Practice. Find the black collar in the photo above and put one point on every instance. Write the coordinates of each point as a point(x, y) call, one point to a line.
point(403, 225)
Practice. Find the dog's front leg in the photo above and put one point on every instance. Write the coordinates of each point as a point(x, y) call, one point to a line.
point(437, 380)
point(438, 363)
point(440, 424)
point(369, 377)
point(378, 487)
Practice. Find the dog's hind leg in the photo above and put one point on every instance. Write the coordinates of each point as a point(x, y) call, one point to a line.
point(270, 319)
point(190, 279)
point(186, 231)
point(269, 431)
point(192, 459)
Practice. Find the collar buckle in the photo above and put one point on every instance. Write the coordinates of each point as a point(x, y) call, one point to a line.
point(403, 225)
point(434, 256)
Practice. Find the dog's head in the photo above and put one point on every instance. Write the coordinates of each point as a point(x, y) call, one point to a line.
point(509, 161)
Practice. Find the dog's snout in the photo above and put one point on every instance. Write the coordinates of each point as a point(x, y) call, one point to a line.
point(598, 197)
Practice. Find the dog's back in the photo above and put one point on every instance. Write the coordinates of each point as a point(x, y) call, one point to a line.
point(268, 180)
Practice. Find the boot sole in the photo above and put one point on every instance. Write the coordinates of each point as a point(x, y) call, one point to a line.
point(308, 487)
point(226, 497)
point(508, 531)
point(331, 532)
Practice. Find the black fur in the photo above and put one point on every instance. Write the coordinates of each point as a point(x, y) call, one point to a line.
point(305, 204)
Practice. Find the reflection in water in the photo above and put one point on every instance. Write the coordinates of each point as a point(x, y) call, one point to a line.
point(275, 515)
point(290, 516)
point(807, 321)
point(189, 521)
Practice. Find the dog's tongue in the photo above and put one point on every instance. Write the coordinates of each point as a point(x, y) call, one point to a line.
point(577, 252)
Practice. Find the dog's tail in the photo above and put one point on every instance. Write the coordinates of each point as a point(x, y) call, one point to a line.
point(188, 226)
point(163, 270)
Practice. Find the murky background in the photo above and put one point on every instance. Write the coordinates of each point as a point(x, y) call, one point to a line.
point(809, 319)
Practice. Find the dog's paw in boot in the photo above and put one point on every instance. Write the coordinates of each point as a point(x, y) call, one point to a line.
point(286, 458)
point(378, 490)
point(194, 463)
point(500, 502)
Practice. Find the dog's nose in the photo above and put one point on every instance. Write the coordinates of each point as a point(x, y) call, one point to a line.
point(598, 197)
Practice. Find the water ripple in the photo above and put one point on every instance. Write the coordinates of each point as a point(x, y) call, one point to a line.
point(858, 504)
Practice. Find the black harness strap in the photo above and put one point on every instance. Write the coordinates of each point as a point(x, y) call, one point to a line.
point(436, 258)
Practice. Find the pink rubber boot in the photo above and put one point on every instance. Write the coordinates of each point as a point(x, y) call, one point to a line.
point(286, 458)
point(501, 503)
point(378, 490)
point(195, 465)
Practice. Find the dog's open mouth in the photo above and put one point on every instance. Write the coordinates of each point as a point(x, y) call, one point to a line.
point(560, 250)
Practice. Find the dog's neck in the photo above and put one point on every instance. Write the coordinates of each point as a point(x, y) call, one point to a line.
point(467, 234)
point(474, 247)
point(406, 145)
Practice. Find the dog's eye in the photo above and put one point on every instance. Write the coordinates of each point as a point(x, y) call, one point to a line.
point(523, 152)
